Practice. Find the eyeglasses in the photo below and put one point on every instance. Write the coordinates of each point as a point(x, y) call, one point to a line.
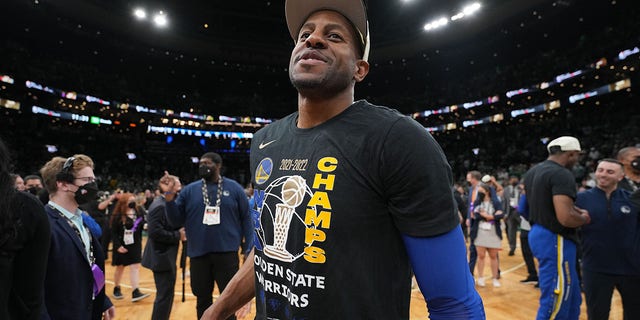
point(86, 179)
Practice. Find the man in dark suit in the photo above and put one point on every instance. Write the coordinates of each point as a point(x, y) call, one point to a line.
point(511, 196)
point(160, 253)
point(74, 283)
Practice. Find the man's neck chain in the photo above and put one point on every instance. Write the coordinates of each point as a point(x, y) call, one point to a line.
point(205, 192)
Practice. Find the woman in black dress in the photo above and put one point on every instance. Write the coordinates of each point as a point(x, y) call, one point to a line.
point(127, 222)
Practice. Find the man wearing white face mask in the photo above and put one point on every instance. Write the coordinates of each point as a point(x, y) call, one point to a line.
point(74, 283)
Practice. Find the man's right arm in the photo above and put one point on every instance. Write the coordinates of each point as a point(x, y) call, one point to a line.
point(239, 291)
point(567, 214)
point(174, 206)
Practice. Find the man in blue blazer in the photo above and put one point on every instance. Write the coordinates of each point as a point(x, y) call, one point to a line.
point(74, 282)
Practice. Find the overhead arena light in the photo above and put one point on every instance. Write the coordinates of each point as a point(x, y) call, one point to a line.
point(436, 24)
point(466, 11)
point(457, 16)
point(160, 19)
point(140, 14)
point(471, 9)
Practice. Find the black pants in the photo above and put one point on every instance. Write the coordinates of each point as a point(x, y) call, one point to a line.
point(105, 239)
point(598, 289)
point(512, 223)
point(527, 255)
point(473, 255)
point(210, 268)
point(165, 287)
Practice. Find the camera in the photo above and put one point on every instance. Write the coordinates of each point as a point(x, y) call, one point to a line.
point(635, 163)
point(103, 195)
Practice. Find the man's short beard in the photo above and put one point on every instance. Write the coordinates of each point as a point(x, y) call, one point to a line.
point(320, 86)
point(306, 84)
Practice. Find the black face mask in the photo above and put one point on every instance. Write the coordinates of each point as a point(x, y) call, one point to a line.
point(132, 205)
point(86, 193)
point(481, 196)
point(34, 190)
point(205, 172)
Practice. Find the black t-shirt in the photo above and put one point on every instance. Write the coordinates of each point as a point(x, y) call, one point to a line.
point(331, 205)
point(541, 183)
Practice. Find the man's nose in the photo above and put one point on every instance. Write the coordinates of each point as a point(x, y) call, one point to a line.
point(316, 41)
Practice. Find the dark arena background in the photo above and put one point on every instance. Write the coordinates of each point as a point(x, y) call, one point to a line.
point(142, 96)
point(146, 86)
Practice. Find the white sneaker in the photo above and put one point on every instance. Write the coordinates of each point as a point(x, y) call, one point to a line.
point(481, 282)
point(496, 283)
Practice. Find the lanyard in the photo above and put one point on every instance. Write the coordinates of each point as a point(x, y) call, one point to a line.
point(205, 193)
point(135, 224)
point(92, 259)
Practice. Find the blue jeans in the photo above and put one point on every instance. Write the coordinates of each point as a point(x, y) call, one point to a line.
point(560, 296)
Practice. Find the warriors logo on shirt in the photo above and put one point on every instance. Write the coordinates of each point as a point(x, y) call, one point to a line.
point(263, 172)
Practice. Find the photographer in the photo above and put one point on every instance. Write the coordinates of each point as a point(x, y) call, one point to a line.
point(630, 159)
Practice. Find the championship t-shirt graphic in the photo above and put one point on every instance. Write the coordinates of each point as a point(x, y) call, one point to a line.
point(291, 217)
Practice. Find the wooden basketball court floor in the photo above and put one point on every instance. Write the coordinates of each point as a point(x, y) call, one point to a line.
point(512, 301)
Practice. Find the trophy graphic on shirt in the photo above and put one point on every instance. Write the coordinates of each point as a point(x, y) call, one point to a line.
point(293, 191)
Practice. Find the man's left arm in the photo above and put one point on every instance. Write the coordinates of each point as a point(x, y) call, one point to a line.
point(449, 291)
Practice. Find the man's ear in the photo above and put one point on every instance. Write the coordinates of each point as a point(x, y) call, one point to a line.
point(362, 69)
point(62, 185)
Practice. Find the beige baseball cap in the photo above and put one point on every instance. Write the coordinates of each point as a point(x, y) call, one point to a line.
point(297, 12)
point(566, 143)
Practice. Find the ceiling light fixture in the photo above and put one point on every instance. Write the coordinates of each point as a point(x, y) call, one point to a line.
point(140, 14)
point(471, 9)
point(160, 19)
